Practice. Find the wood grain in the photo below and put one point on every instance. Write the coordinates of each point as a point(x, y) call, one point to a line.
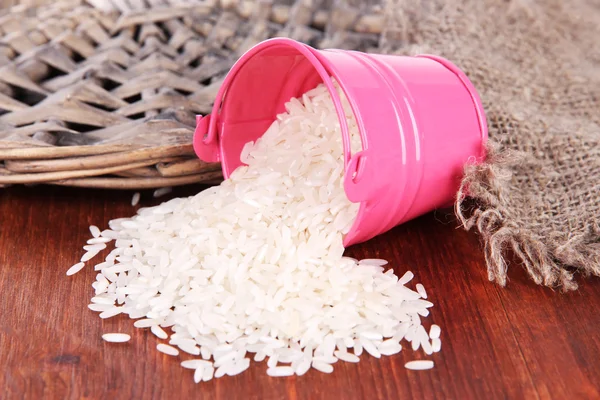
point(521, 342)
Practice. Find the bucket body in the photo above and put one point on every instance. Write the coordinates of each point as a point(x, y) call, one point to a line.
point(420, 121)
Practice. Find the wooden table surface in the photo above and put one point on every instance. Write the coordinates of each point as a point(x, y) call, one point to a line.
point(519, 342)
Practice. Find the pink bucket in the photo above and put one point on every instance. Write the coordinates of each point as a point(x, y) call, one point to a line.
point(420, 121)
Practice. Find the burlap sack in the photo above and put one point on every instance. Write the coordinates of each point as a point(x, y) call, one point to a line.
point(536, 65)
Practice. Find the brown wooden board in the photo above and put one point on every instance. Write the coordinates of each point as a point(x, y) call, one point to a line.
point(519, 342)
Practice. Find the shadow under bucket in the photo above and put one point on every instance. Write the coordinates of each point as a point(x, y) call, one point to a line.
point(420, 121)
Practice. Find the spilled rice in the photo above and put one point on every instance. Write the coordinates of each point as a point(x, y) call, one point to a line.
point(253, 269)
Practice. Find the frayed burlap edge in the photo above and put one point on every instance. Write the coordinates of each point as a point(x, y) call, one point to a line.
point(482, 203)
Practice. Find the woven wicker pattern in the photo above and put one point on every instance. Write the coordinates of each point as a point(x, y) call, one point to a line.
point(104, 93)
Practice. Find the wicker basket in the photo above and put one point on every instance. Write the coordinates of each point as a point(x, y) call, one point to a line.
point(104, 93)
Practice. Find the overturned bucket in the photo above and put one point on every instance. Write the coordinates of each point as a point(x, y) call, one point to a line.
point(420, 121)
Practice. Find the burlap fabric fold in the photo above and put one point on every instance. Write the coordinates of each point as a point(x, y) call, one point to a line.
point(536, 65)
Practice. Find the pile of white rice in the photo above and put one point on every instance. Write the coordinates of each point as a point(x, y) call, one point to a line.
point(254, 268)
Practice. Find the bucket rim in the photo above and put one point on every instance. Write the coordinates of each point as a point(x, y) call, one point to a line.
point(211, 139)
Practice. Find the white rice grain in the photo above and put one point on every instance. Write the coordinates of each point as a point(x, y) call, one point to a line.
point(190, 349)
point(162, 191)
point(205, 353)
point(272, 363)
point(421, 290)
point(325, 359)
point(347, 357)
point(389, 347)
point(370, 347)
point(303, 367)
point(94, 247)
point(89, 255)
point(239, 367)
point(370, 335)
point(110, 234)
point(358, 348)
point(111, 312)
point(198, 374)
point(102, 300)
point(434, 331)
point(415, 344)
point(145, 323)
point(322, 367)
point(98, 240)
point(419, 365)
point(135, 199)
point(166, 349)
point(116, 337)
point(222, 370)
point(208, 374)
point(94, 231)
point(373, 261)
point(194, 364)
point(407, 277)
point(427, 347)
point(75, 268)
